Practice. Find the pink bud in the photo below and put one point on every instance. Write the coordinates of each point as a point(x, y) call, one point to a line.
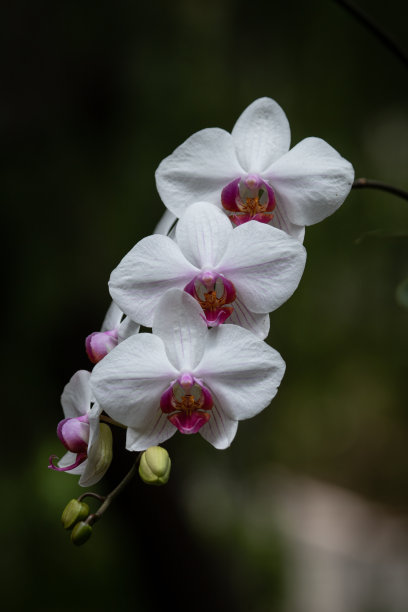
point(99, 344)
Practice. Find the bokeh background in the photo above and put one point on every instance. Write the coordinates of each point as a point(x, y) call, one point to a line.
point(307, 511)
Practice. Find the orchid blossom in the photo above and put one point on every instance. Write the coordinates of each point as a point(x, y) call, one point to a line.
point(186, 377)
point(114, 329)
point(88, 442)
point(237, 275)
point(252, 173)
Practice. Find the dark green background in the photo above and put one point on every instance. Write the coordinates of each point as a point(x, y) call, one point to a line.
point(94, 95)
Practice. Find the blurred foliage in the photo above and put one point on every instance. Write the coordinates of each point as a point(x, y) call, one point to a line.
point(94, 95)
point(401, 293)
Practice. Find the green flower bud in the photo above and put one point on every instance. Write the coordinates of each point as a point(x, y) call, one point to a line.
point(154, 467)
point(73, 512)
point(81, 533)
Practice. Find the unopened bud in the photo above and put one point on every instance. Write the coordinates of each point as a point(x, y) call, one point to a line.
point(99, 344)
point(81, 533)
point(154, 467)
point(73, 512)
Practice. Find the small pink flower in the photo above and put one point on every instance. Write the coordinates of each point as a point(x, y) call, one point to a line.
point(74, 434)
point(89, 450)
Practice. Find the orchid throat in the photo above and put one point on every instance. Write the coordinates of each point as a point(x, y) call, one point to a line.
point(186, 403)
point(214, 293)
point(248, 199)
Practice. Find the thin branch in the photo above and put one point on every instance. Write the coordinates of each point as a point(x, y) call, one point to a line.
point(363, 183)
point(380, 233)
point(90, 494)
point(368, 23)
point(92, 518)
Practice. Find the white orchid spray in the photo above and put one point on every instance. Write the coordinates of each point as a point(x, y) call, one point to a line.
point(227, 252)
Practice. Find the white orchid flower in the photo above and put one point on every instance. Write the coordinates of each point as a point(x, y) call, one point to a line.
point(115, 328)
point(186, 377)
point(253, 175)
point(237, 275)
point(88, 442)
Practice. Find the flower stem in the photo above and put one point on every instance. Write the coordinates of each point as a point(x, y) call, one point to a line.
point(368, 23)
point(90, 494)
point(363, 183)
point(92, 518)
point(107, 419)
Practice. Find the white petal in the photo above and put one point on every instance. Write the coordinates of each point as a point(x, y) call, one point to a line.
point(97, 463)
point(157, 430)
point(265, 265)
point(69, 459)
point(198, 170)
point(130, 380)
point(154, 265)
point(112, 318)
point(90, 475)
point(202, 234)
point(93, 416)
point(76, 397)
point(178, 321)
point(220, 429)
point(241, 371)
point(281, 221)
point(311, 181)
point(258, 324)
point(261, 135)
point(127, 328)
point(165, 224)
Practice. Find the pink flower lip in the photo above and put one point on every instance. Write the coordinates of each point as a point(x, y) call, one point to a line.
point(187, 406)
point(213, 296)
point(218, 316)
point(74, 433)
point(261, 217)
point(80, 458)
point(189, 423)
